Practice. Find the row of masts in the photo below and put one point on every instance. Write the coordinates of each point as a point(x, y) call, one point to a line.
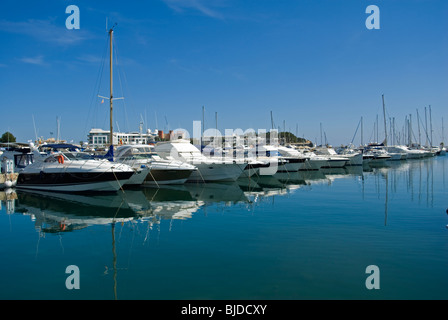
point(393, 137)
point(406, 135)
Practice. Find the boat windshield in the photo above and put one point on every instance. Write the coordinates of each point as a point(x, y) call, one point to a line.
point(137, 153)
point(22, 160)
point(78, 155)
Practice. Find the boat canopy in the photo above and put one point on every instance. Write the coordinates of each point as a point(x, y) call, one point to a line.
point(55, 146)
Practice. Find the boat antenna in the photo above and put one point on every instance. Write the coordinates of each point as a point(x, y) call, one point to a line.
point(34, 124)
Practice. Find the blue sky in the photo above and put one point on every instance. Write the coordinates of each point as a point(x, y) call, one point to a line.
point(310, 62)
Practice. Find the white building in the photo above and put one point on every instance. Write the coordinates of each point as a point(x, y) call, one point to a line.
point(99, 138)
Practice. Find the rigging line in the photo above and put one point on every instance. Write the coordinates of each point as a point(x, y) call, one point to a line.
point(118, 181)
point(153, 178)
point(356, 131)
point(119, 72)
point(128, 91)
point(96, 87)
point(424, 127)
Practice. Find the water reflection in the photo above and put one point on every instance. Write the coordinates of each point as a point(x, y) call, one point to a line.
point(58, 212)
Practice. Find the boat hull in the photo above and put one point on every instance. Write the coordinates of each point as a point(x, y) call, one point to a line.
point(138, 177)
point(217, 171)
point(313, 164)
point(293, 165)
point(166, 176)
point(335, 163)
point(73, 181)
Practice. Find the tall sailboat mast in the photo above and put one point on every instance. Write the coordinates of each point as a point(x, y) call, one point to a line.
point(111, 31)
point(385, 128)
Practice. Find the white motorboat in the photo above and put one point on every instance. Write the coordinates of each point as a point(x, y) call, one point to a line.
point(354, 156)
point(63, 172)
point(160, 171)
point(377, 154)
point(410, 153)
point(285, 162)
point(73, 152)
point(334, 160)
point(296, 160)
point(313, 162)
point(209, 169)
point(396, 153)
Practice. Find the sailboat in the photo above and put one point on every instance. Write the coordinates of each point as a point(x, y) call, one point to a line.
point(141, 172)
point(62, 172)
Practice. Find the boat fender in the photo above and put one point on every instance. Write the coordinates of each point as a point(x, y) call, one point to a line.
point(42, 175)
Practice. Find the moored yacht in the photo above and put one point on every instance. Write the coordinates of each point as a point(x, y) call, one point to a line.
point(354, 156)
point(296, 160)
point(377, 154)
point(410, 153)
point(62, 173)
point(161, 171)
point(272, 155)
point(73, 152)
point(396, 153)
point(334, 160)
point(209, 169)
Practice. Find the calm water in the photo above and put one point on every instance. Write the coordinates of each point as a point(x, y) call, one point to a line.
point(304, 236)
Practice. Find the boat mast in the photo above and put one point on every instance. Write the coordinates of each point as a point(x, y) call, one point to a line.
point(385, 128)
point(111, 31)
point(443, 133)
point(362, 133)
point(430, 126)
point(419, 135)
point(393, 130)
point(426, 128)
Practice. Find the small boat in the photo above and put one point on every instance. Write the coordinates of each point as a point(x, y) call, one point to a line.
point(410, 153)
point(378, 154)
point(62, 172)
point(277, 161)
point(209, 169)
point(296, 160)
point(334, 160)
point(354, 156)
